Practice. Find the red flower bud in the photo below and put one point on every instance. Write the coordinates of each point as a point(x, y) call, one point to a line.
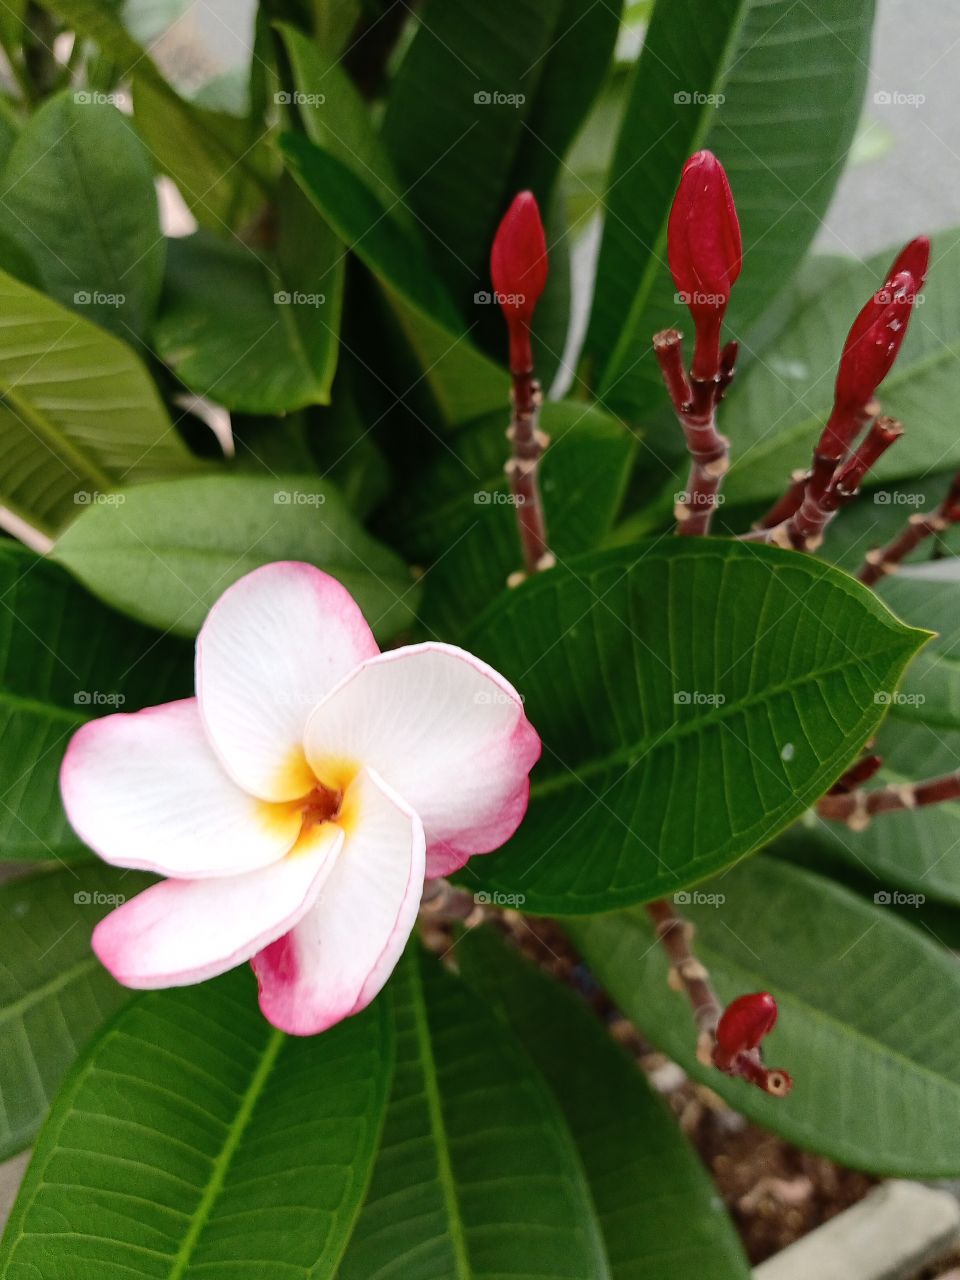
point(874, 341)
point(913, 257)
point(518, 269)
point(705, 253)
point(745, 1022)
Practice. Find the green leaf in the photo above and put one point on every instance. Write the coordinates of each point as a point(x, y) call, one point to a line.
point(79, 413)
point(459, 511)
point(880, 514)
point(256, 334)
point(465, 383)
point(693, 697)
point(777, 412)
point(783, 165)
point(63, 659)
point(79, 199)
point(867, 1022)
point(659, 1212)
point(477, 1176)
point(212, 157)
point(54, 993)
point(915, 849)
point(453, 146)
point(167, 552)
point(197, 1140)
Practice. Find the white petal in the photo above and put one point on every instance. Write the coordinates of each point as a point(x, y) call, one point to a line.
point(344, 949)
point(183, 931)
point(146, 791)
point(446, 732)
point(272, 647)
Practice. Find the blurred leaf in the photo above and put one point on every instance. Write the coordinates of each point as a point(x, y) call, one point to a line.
point(79, 199)
point(460, 512)
point(54, 992)
point(778, 409)
point(196, 1139)
point(693, 697)
point(452, 140)
point(254, 332)
point(474, 1149)
point(716, 77)
point(210, 156)
point(167, 552)
point(465, 383)
point(659, 1213)
point(574, 71)
point(79, 412)
point(880, 514)
point(63, 658)
point(867, 1021)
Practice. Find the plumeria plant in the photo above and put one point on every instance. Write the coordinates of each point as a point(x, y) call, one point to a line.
point(380, 790)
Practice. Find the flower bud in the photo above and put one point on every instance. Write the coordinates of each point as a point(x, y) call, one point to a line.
point(873, 343)
point(913, 257)
point(705, 253)
point(744, 1023)
point(518, 269)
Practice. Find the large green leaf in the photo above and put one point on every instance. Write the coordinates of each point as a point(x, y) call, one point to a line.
point(458, 512)
point(453, 147)
point(715, 76)
point(54, 992)
point(63, 659)
point(868, 1012)
point(196, 1140)
point(465, 383)
point(170, 549)
point(255, 333)
point(79, 413)
point(914, 849)
point(79, 199)
point(477, 1176)
point(776, 412)
point(693, 697)
point(659, 1212)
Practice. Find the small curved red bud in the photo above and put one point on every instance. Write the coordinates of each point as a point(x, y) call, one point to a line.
point(705, 253)
point(745, 1022)
point(518, 269)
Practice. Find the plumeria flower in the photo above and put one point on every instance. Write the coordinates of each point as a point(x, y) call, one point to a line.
point(296, 804)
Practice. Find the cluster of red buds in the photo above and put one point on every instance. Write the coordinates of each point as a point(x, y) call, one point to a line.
point(871, 347)
point(736, 1051)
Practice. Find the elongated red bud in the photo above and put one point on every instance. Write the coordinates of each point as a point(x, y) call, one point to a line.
point(705, 253)
point(518, 269)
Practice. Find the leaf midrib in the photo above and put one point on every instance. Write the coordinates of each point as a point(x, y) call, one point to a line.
point(431, 1087)
point(682, 729)
point(221, 1164)
point(9, 1012)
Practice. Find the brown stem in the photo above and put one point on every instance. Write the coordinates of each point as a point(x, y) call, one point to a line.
point(885, 560)
point(856, 808)
point(823, 495)
point(523, 468)
point(694, 402)
point(445, 901)
point(687, 974)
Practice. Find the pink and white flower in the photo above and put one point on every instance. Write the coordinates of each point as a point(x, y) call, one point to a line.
point(296, 804)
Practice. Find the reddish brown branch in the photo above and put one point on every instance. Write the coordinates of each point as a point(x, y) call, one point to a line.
point(523, 471)
point(687, 974)
point(695, 402)
point(856, 808)
point(886, 560)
